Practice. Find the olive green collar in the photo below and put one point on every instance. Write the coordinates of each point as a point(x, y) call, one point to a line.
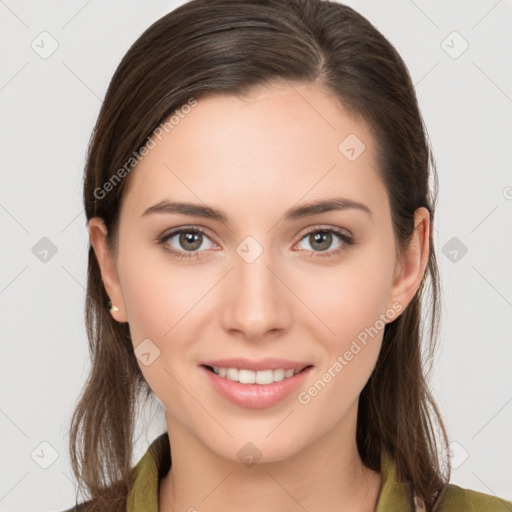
point(394, 495)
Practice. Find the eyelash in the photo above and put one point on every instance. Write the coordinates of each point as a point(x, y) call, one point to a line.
point(346, 239)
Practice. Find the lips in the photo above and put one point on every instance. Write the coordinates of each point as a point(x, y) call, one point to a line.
point(258, 365)
point(255, 396)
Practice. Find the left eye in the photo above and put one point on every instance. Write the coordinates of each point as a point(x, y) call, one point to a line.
point(320, 240)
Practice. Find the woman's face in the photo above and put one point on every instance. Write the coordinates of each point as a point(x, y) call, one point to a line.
point(257, 284)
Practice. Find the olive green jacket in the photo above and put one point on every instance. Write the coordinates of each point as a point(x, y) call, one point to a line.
point(394, 496)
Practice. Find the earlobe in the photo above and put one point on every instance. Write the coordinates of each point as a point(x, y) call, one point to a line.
point(107, 264)
point(413, 261)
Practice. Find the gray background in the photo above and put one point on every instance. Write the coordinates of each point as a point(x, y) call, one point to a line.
point(48, 108)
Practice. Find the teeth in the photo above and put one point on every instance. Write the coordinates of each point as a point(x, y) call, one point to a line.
point(250, 377)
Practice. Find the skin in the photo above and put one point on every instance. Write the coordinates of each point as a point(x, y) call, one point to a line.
point(254, 158)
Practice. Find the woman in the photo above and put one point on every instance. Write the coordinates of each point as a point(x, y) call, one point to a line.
point(260, 217)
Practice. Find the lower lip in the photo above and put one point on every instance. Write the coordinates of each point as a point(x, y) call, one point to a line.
point(256, 396)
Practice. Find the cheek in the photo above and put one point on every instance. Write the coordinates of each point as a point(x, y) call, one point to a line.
point(168, 305)
point(351, 300)
point(353, 312)
point(350, 297)
point(159, 295)
point(157, 302)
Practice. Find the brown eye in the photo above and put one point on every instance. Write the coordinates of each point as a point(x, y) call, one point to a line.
point(321, 240)
point(190, 241)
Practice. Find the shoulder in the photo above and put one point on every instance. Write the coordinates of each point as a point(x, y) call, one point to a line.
point(456, 499)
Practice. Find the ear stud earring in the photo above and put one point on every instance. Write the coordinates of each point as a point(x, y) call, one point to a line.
point(111, 307)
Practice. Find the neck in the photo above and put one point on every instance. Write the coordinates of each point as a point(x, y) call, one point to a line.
point(327, 475)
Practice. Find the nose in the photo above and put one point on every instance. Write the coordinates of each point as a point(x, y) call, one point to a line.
point(256, 300)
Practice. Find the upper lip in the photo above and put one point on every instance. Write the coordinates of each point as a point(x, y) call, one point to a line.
point(269, 363)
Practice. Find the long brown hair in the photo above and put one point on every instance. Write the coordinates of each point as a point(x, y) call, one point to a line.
point(211, 47)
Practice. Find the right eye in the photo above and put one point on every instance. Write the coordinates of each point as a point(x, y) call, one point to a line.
point(187, 243)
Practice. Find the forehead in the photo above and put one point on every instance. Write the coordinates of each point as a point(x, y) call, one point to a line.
point(278, 143)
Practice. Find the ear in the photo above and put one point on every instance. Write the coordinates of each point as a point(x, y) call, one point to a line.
point(107, 263)
point(411, 267)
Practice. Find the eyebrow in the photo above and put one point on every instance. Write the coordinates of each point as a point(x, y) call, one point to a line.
point(295, 213)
